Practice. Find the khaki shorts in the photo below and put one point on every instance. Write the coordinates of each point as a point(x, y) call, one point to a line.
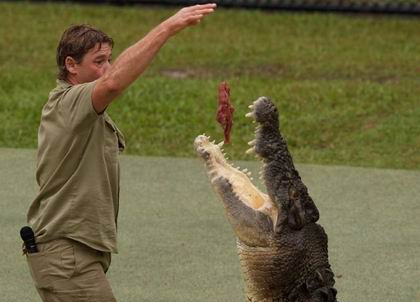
point(65, 270)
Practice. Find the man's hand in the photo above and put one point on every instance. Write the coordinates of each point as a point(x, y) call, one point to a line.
point(188, 16)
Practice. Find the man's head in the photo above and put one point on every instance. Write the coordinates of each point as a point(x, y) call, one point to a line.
point(83, 54)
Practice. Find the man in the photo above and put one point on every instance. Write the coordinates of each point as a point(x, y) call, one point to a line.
point(74, 216)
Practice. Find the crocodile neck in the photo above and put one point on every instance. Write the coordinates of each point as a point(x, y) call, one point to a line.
point(268, 278)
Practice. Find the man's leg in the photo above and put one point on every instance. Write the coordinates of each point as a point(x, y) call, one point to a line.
point(65, 270)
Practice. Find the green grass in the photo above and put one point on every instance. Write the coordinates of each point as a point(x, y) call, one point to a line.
point(347, 86)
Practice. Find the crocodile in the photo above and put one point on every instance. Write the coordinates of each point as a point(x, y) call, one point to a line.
point(282, 249)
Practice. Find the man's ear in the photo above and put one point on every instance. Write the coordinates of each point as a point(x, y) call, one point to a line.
point(71, 65)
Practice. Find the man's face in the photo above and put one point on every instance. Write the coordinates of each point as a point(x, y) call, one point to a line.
point(93, 65)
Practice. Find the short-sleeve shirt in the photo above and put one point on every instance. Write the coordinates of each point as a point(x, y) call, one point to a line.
point(77, 171)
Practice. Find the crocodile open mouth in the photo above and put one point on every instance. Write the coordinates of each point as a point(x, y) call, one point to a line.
point(217, 166)
point(283, 252)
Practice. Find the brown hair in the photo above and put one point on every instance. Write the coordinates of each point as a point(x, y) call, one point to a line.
point(75, 42)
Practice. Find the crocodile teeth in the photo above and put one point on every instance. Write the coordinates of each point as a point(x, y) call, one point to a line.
point(249, 174)
point(214, 179)
point(213, 142)
point(252, 143)
point(245, 170)
point(221, 144)
point(250, 150)
point(250, 114)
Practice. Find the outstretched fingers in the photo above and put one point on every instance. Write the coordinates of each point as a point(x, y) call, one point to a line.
point(197, 12)
point(190, 15)
point(202, 7)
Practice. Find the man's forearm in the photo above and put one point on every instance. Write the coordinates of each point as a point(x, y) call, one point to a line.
point(135, 59)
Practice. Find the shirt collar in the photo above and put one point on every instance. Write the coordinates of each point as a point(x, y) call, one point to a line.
point(63, 84)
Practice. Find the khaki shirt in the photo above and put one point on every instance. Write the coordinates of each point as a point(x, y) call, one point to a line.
point(77, 172)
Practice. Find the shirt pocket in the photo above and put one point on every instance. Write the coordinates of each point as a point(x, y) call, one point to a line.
point(111, 141)
point(117, 132)
point(47, 267)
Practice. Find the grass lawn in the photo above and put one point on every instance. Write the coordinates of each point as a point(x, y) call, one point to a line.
point(176, 244)
point(347, 86)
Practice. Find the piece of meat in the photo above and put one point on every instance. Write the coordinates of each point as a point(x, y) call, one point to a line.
point(225, 110)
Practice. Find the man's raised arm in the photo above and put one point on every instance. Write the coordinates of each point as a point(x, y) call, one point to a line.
point(134, 60)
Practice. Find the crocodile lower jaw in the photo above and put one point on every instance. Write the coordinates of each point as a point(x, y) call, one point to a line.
point(240, 179)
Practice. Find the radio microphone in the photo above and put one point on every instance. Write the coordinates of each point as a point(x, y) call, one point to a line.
point(28, 238)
